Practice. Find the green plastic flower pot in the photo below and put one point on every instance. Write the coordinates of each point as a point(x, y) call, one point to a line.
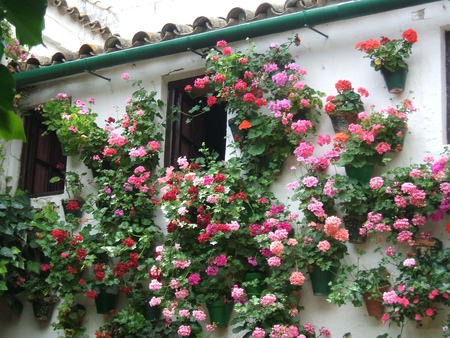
point(151, 312)
point(219, 312)
point(237, 133)
point(258, 284)
point(105, 302)
point(396, 80)
point(75, 213)
point(321, 279)
point(363, 174)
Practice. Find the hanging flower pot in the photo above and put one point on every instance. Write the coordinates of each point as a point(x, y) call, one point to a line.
point(362, 174)
point(425, 249)
point(43, 308)
point(395, 81)
point(73, 207)
point(151, 313)
point(353, 224)
point(235, 131)
point(258, 284)
point(374, 302)
point(341, 120)
point(219, 312)
point(399, 145)
point(105, 302)
point(321, 279)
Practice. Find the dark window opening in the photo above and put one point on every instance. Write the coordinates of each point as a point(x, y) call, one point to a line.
point(447, 72)
point(185, 139)
point(40, 157)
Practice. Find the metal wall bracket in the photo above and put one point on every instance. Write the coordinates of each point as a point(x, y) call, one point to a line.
point(95, 74)
point(315, 30)
point(203, 55)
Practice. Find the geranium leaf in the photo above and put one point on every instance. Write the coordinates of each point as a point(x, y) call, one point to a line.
point(257, 149)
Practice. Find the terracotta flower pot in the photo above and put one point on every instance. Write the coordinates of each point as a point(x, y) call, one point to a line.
point(341, 121)
point(374, 302)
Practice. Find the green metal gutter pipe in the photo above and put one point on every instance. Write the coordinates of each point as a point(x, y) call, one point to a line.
point(283, 23)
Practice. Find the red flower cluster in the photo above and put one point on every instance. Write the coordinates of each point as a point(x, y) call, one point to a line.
point(203, 220)
point(99, 270)
point(171, 195)
point(239, 195)
point(120, 269)
point(219, 178)
point(72, 270)
point(127, 289)
point(81, 254)
point(203, 238)
point(91, 294)
point(172, 226)
point(343, 85)
point(133, 263)
point(367, 45)
point(60, 235)
point(73, 206)
point(128, 242)
point(410, 35)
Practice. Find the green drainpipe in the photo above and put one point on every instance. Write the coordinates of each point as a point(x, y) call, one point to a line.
point(283, 23)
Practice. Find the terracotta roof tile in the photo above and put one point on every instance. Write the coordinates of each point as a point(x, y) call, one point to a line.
point(114, 42)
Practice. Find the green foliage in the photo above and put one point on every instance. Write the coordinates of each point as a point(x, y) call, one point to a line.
point(28, 18)
point(17, 249)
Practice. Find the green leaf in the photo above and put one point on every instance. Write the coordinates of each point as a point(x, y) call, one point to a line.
point(11, 127)
point(6, 252)
point(28, 18)
point(33, 266)
point(3, 269)
point(257, 149)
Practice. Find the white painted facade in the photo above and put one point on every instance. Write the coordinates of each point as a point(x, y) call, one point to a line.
point(326, 60)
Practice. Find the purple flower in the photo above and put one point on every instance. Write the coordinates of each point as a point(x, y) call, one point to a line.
point(118, 213)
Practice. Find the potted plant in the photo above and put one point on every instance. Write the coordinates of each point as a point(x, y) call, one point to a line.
point(343, 108)
point(248, 81)
point(315, 193)
point(405, 198)
point(72, 124)
point(70, 318)
point(389, 56)
point(365, 144)
point(278, 301)
point(357, 286)
point(73, 185)
point(419, 291)
point(355, 200)
point(324, 251)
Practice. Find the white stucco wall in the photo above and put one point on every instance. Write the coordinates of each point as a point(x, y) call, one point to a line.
point(327, 61)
